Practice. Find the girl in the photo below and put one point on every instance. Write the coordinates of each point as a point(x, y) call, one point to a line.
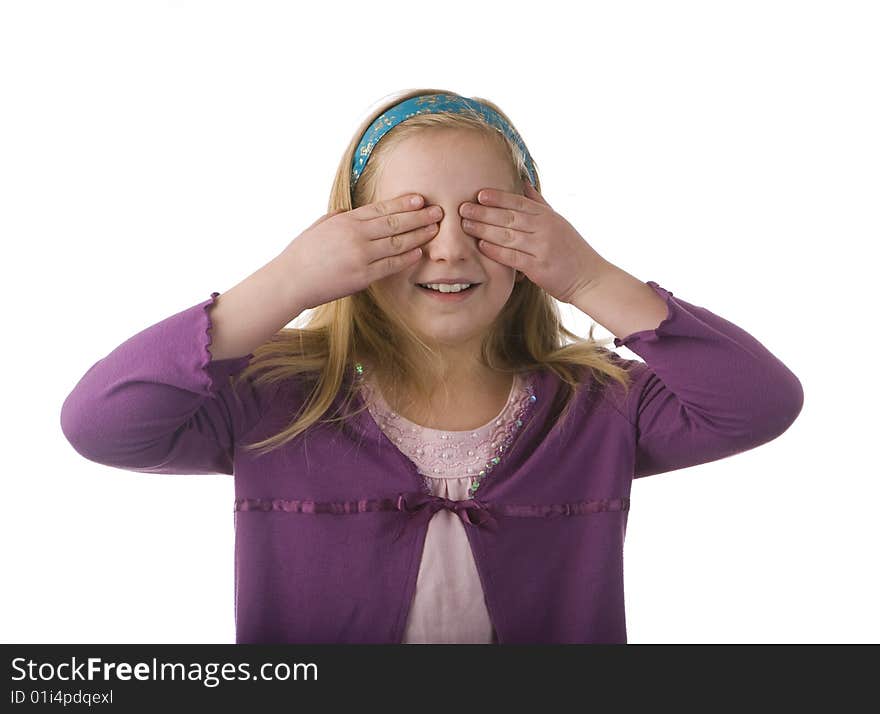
point(433, 457)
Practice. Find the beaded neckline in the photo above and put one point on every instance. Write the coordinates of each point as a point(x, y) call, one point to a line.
point(520, 417)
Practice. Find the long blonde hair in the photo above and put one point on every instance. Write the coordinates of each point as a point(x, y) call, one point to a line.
point(527, 334)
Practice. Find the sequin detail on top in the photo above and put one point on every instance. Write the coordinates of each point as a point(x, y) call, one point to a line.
point(454, 454)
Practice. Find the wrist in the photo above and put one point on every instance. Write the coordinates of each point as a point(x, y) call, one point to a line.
point(602, 270)
point(285, 268)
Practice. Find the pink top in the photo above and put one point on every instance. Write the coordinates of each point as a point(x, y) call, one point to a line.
point(449, 606)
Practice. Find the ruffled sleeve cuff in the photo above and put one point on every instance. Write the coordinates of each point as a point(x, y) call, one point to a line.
point(666, 327)
point(213, 374)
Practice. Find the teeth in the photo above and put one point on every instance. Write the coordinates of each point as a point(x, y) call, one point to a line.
point(444, 288)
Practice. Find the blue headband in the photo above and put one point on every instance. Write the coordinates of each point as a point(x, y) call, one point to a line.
point(430, 104)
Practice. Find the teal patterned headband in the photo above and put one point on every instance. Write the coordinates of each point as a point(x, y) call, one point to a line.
point(431, 104)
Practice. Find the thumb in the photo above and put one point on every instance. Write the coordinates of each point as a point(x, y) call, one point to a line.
point(327, 216)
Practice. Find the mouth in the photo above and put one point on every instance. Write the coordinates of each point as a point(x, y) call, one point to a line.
point(450, 296)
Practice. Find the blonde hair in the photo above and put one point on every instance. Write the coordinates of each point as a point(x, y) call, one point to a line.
point(527, 334)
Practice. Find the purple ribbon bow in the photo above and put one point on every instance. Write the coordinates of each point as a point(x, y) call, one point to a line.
point(423, 506)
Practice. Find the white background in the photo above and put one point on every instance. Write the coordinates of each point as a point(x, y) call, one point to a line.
point(154, 152)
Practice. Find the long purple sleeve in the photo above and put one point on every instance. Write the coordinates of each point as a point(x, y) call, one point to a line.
point(711, 390)
point(345, 513)
point(159, 404)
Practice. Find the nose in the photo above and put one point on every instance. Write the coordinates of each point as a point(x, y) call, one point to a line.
point(450, 242)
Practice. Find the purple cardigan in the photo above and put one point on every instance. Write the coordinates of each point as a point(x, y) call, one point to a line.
point(329, 529)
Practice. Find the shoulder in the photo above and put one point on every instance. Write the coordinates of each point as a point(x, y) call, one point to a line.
point(599, 391)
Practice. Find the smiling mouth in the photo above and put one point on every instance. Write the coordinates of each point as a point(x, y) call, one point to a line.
point(449, 292)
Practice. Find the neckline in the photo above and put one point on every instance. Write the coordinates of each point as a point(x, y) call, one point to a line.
point(377, 394)
point(535, 383)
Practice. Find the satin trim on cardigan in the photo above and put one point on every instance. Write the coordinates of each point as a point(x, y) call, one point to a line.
point(421, 506)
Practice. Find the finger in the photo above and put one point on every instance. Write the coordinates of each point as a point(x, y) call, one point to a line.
point(405, 202)
point(503, 217)
point(507, 256)
point(396, 216)
point(399, 204)
point(391, 264)
point(506, 237)
point(399, 243)
point(505, 199)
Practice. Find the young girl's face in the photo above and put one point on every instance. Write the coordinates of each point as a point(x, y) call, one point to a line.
point(448, 168)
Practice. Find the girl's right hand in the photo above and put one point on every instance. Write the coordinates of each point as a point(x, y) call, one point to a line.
point(343, 252)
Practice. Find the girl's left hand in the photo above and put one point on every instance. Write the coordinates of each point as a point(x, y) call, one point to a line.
point(525, 233)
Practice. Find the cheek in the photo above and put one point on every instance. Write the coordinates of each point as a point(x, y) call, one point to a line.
point(501, 274)
point(393, 284)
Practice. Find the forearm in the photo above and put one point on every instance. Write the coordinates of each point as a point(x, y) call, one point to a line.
point(248, 314)
point(620, 302)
